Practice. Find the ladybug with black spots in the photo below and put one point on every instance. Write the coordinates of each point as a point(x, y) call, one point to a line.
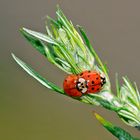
point(87, 82)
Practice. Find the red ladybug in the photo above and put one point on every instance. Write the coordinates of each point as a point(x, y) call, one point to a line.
point(70, 86)
point(84, 83)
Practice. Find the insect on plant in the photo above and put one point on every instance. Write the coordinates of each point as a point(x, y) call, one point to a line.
point(88, 79)
point(87, 82)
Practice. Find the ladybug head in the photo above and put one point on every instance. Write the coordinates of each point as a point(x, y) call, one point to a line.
point(81, 85)
point(103, 79)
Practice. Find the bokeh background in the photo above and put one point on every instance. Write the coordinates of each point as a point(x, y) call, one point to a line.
point(29, 111)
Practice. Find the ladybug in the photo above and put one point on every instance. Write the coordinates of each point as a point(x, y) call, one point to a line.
point(86, 82)
point(70, 86)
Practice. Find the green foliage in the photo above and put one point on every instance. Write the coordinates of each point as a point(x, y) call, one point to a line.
point(63, 46)
point(130, 98)
point(115, 130)
point(39, 78)
point(88, 44)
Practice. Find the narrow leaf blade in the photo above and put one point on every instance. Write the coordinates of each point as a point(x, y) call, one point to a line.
point(36, 43)
point(116, 131)
point(39, 78)
point(40, 36)
point(91, 49)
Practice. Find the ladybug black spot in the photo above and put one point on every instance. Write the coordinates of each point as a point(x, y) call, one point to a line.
point(97, 88)
point(88, 75)
point(89, 71)
point(92, 88)
point(97, 78)
point(92, 82)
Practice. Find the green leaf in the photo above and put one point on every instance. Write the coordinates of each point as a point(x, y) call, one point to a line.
point(53, 22)
point(137, 92)
point(131, 92)
point(92, 50)
point(46, 50)
point(34, 41)
point(66, 54)
point(40, 36)
point(70, 28)
point(48, 31)
point(117, 86)
point(116, 131)
point(107, 100)
point(39, 78)
point(38, 44)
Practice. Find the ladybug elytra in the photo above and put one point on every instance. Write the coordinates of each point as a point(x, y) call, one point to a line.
point(84, 83)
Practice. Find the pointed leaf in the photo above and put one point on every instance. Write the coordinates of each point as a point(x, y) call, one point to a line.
point(117, 86)
point(131, 92)
point(116, 131)
point(39, 78)
point(91, 49)
point(40, 36)
point(46, 50)
point(37, 44)
point(69, 27)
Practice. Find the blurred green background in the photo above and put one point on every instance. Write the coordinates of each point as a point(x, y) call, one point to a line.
point(29, 111)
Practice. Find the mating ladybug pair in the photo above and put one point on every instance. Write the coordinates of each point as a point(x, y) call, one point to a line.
point(84, 83)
